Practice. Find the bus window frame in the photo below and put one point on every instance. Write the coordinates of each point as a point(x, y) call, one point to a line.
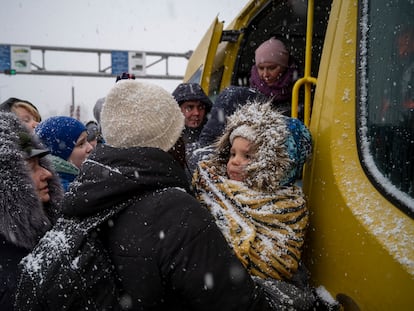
point(397, 197)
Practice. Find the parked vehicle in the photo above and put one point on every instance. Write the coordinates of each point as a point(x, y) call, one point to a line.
point(360, 181)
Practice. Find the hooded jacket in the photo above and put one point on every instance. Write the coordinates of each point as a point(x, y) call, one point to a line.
point(166, 249)
point(264, 218)
point(192, 92)
point(24, 219)
point(284, 145)
point(226, 104)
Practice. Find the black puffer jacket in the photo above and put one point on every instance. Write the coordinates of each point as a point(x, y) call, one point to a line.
point(167, 250)
point(23, 217)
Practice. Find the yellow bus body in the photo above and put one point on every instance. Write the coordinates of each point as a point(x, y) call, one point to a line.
point(360, 246)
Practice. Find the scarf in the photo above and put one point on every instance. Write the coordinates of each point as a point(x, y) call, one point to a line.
point(265, 230)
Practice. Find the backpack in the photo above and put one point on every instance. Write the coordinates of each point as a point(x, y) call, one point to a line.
point(70, 269)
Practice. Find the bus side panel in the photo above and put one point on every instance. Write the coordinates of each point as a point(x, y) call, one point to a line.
point(350, 250)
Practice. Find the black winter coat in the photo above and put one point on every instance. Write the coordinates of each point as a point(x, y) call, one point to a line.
point(167, 250)
point(10, 256)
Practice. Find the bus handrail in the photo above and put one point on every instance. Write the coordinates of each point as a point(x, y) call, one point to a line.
point(295, 97)
point(307, 78)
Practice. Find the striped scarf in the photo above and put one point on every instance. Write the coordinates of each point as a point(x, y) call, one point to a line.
point(266, 231)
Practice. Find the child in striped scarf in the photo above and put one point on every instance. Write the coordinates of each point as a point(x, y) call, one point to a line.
point(248, 186)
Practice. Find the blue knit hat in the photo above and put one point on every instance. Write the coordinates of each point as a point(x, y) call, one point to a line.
point(59, 135)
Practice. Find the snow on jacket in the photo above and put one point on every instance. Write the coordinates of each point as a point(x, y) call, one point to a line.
point(265, 230)
point(227, 102)
point(264, 218)
point(24, 219)
point(283, 146)
point(167, 251)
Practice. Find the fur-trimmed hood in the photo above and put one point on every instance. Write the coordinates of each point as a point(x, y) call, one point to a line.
point(23, 217)
point(283, 145)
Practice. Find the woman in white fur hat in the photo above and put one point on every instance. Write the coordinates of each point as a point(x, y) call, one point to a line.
point(166, 249)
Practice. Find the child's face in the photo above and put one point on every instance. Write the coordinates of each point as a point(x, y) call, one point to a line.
point(81, 151)
point(241, 154)
point(26, 117)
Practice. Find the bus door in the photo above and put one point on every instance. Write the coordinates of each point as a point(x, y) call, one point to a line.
point(200, 65)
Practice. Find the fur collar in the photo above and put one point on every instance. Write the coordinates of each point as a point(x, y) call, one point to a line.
point(24, 219)
point(273, 166)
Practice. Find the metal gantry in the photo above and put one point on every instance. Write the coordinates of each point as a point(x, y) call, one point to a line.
point(76, 62)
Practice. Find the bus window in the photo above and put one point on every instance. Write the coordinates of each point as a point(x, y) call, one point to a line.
point(387, 98)
point(196, 78)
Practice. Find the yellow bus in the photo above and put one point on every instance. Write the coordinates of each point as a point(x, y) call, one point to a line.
point(358, 90)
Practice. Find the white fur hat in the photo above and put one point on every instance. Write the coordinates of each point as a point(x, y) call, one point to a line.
point(137, 114)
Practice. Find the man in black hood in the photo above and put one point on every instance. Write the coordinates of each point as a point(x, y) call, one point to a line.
point(195, 106)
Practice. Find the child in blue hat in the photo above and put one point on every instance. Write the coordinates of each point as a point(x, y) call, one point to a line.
point(66, 138)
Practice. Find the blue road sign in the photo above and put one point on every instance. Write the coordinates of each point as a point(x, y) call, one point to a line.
point(4, 57)
point(119, 62)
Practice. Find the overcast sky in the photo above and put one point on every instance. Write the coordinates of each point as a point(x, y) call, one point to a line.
point(138, 25)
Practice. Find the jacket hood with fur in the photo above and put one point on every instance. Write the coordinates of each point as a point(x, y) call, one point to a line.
point(23, 217)
point(283, 146)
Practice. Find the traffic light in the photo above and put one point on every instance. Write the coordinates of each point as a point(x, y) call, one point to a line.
point(10, 72)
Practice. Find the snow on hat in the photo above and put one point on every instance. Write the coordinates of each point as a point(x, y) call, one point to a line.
point(272, 51)
point(59, 134)
point(137, 114)
point(283, 145)
point(243, 131)
point(191, 92)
